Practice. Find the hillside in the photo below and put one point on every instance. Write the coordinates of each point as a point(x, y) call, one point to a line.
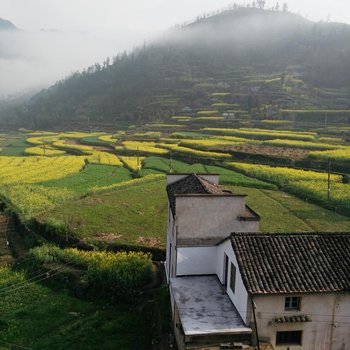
point(7, 25)
point(247, 53)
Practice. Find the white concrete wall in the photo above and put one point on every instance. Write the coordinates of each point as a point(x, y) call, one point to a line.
point(240, 296)
point(170, 246)
point(211, 216)
point(317, 335)
point(196, 261)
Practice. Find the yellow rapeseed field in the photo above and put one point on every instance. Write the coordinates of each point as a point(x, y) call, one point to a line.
point(144, 147)
point(133, 163)
point(20, 170)
point(41, 151)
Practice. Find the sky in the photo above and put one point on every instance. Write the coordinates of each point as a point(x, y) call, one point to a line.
point(87, 31)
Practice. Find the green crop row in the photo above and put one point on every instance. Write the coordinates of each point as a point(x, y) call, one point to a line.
point(227, 176)
point(194, 152)
point(262, 133)
point(340, 155)
point(301, 144)
point(122, 271)
point(306, 184)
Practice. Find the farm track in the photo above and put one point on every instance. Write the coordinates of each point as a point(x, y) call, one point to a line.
point(6, 226)
point(11, 243)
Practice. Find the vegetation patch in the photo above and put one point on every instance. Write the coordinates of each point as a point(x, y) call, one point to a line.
point(120, 272)
point(133, 163)
point(144, 147)
point(306, 184)
point(129, 211)
point(38, 317)
point(301, 144)
point(263, 134)
point(43, 151)
point(194, 152)
point(93, 176)
point(339, 155)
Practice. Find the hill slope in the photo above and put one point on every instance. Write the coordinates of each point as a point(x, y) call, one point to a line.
point(230, 52)
point(7, 25)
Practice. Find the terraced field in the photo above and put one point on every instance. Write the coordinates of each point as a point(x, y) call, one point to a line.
point(93, 191)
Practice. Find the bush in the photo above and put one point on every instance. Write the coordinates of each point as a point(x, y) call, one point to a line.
point(118, 271)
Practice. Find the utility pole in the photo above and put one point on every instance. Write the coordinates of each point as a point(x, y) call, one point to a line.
point(171, 164)
point(329, 180)
point(137, 159)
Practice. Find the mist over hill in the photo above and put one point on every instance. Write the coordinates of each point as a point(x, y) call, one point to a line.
point(6, 25)
point(180, 70)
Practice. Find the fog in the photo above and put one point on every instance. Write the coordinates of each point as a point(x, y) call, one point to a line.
point(87, 31)
point(31, 60)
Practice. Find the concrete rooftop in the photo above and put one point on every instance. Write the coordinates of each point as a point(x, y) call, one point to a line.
point(204, 308)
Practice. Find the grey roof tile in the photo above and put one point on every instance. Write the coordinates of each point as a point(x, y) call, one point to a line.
point(293, 263)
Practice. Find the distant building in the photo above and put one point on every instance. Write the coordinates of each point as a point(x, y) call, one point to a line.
point(290, 291)
point(228, 115)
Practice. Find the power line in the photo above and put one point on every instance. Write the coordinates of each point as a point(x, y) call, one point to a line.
point(28, 280)
point(26, 285)
point(19, 346)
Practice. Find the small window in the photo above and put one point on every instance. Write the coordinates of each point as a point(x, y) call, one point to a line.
point(292, 303)
point(288, 338)
point(233, 278)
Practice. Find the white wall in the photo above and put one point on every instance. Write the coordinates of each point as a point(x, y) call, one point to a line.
point(240, 297)
point(170, 245)
point(196, 261)
point(316, 334)
point(211, 216)
point(210, 261)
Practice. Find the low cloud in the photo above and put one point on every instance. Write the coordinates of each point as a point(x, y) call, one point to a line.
point(32, 60)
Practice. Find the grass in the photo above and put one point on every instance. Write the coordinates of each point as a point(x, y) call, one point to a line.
point(282, 212)
point(140, 211)
point(131, 212)
point(15, 148)
point(92, 176)
point(39, 318)
point(93, 140)
point(308, 185)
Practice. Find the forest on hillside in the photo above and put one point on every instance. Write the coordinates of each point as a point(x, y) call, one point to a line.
point(181, 70)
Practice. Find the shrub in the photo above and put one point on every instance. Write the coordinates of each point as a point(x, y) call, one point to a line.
point(118, 271)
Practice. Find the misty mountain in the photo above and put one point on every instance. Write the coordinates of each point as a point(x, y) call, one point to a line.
point(6, 25)
point(188, 63)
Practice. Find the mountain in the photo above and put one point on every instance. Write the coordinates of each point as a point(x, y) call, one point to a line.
point(6, 25)
point(238, 51)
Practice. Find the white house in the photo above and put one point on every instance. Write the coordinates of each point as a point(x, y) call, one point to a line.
point(231, 290)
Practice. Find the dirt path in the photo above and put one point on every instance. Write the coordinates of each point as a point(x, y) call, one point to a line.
point(5, 252)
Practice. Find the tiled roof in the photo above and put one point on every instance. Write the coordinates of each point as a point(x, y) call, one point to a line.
point(293, 263)
point(193, 184)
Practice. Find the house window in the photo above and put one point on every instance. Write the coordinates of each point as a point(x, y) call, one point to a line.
point(292, 303)
point(233, 278)
point(288, 338)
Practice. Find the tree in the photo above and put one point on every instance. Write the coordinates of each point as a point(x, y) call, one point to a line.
point(285, 7)
point(261, 3)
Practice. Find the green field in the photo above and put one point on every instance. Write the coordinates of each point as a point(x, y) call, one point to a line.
point(37, 317)
point(92, 176)
point(136, 214)
point(14, 147)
